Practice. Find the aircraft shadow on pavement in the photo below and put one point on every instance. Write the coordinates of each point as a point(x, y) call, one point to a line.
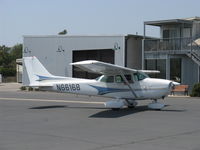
point(49, 107)
point(120, 113)
point(172, 110)
point(109, 113)
point(64, 106)
point(128, 111)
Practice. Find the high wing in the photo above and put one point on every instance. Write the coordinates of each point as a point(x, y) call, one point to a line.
point(106, 68)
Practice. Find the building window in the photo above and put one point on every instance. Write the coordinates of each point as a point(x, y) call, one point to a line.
point(166, 34)
point(156, 64)
point(175, 69)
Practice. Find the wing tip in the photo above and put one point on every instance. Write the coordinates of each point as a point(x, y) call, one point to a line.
point(85, 62)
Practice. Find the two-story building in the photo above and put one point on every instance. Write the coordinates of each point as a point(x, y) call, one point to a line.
point(177, 52)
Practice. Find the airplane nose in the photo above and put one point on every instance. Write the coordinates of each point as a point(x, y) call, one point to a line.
point(172, 84)
point(175, 83)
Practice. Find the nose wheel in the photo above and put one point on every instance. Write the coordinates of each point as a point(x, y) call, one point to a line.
point(156, 105)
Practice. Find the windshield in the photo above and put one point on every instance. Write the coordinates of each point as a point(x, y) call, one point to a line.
point(140, 76)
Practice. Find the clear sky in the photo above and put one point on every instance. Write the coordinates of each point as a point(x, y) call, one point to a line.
point(90, 17)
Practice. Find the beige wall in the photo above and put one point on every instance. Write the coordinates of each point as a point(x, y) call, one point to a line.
point(134, 52)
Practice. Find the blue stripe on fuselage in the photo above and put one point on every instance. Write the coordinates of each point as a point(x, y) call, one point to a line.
point(41, 78)
point(104, 90)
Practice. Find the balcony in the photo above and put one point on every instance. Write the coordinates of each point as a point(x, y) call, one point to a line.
point(170, 45)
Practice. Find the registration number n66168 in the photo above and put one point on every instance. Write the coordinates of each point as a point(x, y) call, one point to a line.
point(68, 87)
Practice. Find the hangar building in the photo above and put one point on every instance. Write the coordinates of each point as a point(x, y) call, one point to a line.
point(58, 51)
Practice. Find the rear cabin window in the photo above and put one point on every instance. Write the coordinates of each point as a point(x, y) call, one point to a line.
point(118, 79)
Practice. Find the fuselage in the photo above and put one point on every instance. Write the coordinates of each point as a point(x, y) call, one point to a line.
point(148, 88)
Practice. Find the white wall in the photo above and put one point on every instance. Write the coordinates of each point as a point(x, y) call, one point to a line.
point(45, 48)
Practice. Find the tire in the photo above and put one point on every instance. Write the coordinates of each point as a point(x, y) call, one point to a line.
point(115, 109)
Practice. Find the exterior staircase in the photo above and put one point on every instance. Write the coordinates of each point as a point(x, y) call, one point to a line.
point(195, 56)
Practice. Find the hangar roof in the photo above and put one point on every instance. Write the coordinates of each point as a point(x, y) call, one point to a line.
point(115, 35)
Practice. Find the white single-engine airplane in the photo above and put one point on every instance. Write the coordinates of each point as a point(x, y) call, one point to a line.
point(124, 85)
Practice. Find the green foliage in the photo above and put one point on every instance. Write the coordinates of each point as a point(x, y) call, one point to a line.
point(8, 72)
point(8, 58)
point(5, 58)
point(63, 32)
point(23, 88)
point(196, 90)
point(30, 89)
point(16, 52)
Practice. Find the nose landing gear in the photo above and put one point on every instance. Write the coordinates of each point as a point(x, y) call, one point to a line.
point(156, 105)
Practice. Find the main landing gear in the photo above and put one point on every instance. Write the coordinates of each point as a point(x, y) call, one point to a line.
point(131, 104)
point(118, 104)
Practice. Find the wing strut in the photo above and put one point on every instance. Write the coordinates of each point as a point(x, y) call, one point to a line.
point(126, 81)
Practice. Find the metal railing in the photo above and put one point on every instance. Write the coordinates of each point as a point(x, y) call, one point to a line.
point(169, 44)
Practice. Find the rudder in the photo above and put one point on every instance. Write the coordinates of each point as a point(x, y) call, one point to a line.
point(35, 70)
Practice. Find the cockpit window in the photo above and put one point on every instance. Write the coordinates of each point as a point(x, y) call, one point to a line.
point(108, 79)
point(119, 79)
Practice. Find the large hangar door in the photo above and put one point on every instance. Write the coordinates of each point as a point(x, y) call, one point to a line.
point(106, 55)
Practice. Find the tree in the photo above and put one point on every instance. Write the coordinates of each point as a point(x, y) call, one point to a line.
point(63, 32)
point(196, 90)
point(4, 56)
point(8, 58)
point(16, 51)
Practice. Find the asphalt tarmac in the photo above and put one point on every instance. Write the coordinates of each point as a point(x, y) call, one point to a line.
point(54, 121)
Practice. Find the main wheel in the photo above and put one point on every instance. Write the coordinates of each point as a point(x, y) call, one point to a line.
point(131, 106)
point(115, 109)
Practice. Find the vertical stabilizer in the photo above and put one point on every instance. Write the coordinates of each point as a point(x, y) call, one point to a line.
point(35, 70)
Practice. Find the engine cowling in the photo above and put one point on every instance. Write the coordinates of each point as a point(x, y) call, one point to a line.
point(114, 104)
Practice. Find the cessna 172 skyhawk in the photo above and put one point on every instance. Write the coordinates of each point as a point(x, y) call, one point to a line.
point(124, 85)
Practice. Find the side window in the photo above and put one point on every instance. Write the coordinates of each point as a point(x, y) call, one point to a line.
point(129, 78)
point(118, 79)
point(110, 79)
